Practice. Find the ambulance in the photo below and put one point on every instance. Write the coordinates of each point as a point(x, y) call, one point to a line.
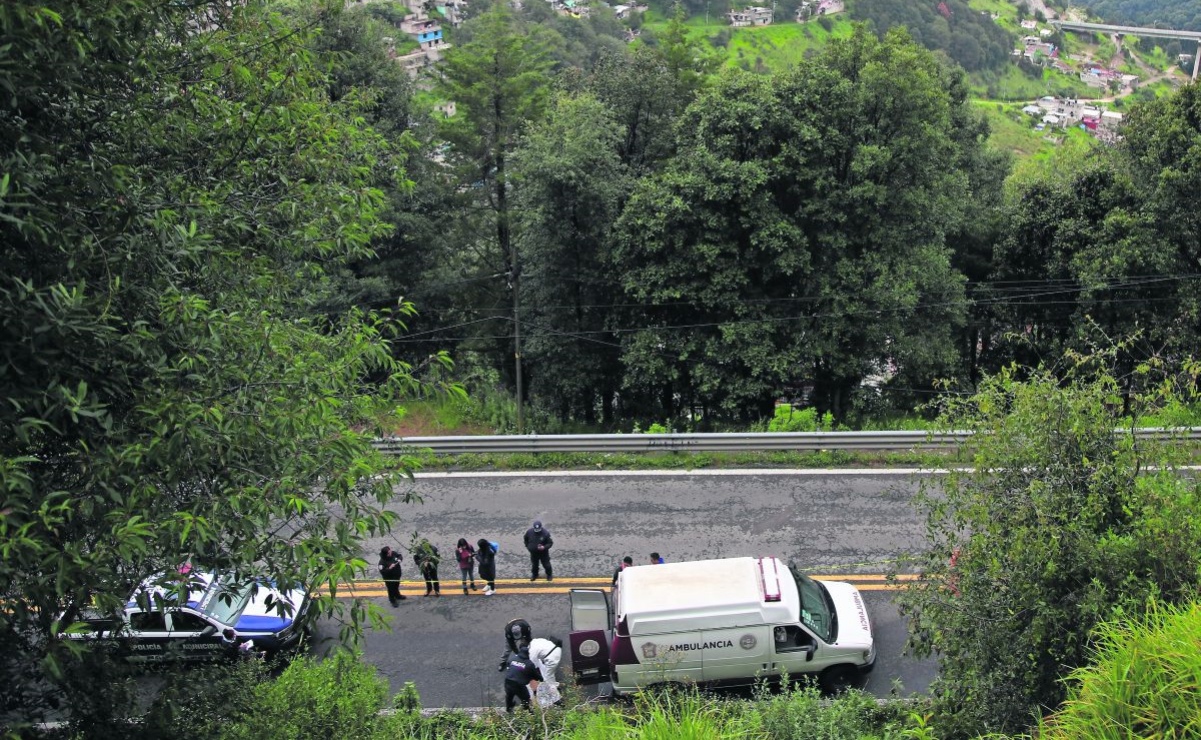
point(715, 623)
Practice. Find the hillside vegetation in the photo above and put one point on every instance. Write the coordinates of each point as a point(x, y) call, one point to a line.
point(968, 36)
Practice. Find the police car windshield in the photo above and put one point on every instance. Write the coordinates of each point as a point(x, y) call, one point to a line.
point(817, 612)
point(224, 602)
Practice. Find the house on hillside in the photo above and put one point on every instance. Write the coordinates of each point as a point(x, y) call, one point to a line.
point(751, 16)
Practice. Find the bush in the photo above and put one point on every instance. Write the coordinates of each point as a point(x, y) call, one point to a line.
point(339, 697)
point(789, 419)
point(800, 711)
point(1145, 681)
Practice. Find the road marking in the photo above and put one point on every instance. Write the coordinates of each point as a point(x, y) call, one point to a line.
point(523, 586)
point(701, 472)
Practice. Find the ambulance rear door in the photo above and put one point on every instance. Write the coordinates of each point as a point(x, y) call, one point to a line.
point(591, 618)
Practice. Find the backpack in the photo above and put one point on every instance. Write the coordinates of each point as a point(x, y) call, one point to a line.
point(495, 546)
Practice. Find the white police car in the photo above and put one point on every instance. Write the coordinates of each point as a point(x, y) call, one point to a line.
point(156, 627)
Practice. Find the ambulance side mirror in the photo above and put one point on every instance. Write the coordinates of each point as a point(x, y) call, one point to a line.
point(809, 651)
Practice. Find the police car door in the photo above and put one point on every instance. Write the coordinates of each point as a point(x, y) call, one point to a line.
point(148, 636)
point(194, 636)
point(589, 638)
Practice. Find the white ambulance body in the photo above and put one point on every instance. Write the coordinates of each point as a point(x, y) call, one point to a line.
point(719, 623)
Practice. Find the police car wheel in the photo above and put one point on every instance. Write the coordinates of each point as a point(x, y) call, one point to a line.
point(837, 679)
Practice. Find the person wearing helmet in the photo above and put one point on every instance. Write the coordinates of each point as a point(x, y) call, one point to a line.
point(517, 635)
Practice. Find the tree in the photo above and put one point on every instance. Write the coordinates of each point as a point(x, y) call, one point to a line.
point(1059, 524)
point(499, 83)
point(175, 182)
point(691, 61)
point(800, 233)
point(1104, 246)
point(571, 186)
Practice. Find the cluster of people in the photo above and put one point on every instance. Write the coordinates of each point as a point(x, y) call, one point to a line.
point(628, 562)
point(530, 665)
point(537, 540)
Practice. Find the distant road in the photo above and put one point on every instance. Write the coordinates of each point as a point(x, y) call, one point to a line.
point(829, 522)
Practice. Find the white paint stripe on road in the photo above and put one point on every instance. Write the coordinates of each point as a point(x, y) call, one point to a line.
point(713, 472)
point(703, 472)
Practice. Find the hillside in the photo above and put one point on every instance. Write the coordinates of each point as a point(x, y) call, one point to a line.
point(1179, 14)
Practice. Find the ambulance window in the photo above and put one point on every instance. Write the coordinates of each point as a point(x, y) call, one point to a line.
point(790, 637)
point(816, 607)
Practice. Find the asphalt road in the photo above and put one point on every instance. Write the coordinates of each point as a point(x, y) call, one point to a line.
point(829, 522)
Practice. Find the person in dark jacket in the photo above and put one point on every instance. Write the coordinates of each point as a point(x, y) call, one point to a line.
point(427, 558)
point(518, 635)
point(487, 559)
point(390, 571)
point(521, 675)
point(538, 541)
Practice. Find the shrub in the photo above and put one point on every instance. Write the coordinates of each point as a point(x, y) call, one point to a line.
point(1145, 681)
point(339, 697)
point(789, 419)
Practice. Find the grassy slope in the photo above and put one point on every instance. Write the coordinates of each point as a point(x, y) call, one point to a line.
point(774, 48)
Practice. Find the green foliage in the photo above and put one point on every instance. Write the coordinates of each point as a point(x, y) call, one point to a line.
point(204, 699)
point(176, 184)
point(1056, 528)
point(800, 711)
point(789, 419)
point(969, 37)
point(781, 227)
point(1179, 14)
point(1143, 681)
point(338, 697)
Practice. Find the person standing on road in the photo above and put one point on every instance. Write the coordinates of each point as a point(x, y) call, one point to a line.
point(390, 570)
point(427, 558)
point(538, 541)
point(487, 557)
point(521, 675)
point(656, 560)
point(465, 554)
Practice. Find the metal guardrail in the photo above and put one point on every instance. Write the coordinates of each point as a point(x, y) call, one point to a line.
point(739, 442)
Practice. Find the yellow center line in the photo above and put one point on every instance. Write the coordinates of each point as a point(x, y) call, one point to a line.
point(523, 586)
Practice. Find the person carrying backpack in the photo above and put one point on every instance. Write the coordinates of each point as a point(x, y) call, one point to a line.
point(486, 555)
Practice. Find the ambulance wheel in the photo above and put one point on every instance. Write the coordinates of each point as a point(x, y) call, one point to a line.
point(665, 688)
point(837, 679)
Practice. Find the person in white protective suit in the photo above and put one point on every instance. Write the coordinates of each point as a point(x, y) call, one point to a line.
point(546, 652)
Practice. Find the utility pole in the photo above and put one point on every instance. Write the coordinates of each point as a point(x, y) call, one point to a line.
point(514, 285)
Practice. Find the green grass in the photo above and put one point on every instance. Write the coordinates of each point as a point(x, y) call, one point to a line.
point(1011, 130)
point(1011, 84)
point(1145, 681)
point(1007, 12)
point(760, 48)
point(781, 45)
